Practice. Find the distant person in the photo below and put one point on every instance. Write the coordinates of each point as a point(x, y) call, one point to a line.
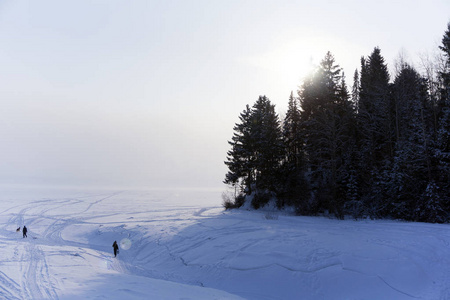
point(116, 248)
point(24, 230)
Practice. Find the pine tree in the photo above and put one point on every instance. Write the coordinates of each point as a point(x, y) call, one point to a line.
point(374, 108)
point(240, 159)
point(326, 114)
point(294, 188)
point(355, 90)
point(291, 133)
point(433, 209)
point(445, 74)
point(382, 150)
point(256, 151)
point(266, 132)
point(375, 133)
point(442, 146)
point(411, 169)
point(441, 143)
point(347, 151)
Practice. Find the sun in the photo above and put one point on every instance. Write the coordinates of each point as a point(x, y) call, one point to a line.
point(293, 61)
point(288, 62)
point(295, 54)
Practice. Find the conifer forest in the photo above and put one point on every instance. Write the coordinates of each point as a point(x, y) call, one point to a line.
point(380, 149)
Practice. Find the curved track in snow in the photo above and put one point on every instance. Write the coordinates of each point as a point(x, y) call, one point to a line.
point(251, 254)
point(52, 217)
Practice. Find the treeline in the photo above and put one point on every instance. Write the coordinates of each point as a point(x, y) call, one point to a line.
point(381, 150)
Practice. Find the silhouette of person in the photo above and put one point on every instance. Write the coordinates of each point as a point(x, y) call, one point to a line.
point(24, 231)
point(116, 248)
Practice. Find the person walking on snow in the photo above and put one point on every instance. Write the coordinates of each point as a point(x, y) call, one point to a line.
point(116, 248)
point(24, 231)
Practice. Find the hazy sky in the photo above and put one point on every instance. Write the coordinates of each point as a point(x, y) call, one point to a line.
point(146, 93)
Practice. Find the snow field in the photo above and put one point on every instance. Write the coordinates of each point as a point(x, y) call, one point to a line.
point(182, 245)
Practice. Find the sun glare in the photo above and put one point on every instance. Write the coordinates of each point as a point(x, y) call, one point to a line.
point(291, 60)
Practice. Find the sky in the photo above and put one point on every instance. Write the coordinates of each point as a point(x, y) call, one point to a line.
point(146, 93)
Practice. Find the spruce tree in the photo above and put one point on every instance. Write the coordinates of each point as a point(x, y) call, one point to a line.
point(326, 112)
point(355, 90)
point(375, 133)
point(374, 108)
point(291, 133)
point(240, 159)
point(256, 151)
point(266, 132)
point(445, 73)
point(441, 143)
point(410, 172)
point(293, 189)
point(381, 151)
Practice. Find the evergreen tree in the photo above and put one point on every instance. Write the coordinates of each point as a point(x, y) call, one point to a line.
point(346, 164)
point(294, 188)
point(256, 151)
point(381, 151)
point(266, 132)
point(240, 159)
point(441, 144)
point(374, 130)
point(326, 111)
point(445, 73)
point(374, 107)
point(355, 90)
point(411, 170)
point(291, 133)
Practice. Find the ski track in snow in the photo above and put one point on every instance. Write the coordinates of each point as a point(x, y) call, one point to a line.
point(303, 257)
point(9, 289)
point(36, 281)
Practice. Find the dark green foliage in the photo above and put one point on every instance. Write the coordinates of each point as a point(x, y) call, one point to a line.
point(433, 208)
point(374, 123)
point(293, 189)
point(268, 150)
point(260, 199)
point(445, 74)
point(293, 141)
point(240, 159)
point(257, 149)
point(327, 119)
point(410, 171)
point(381, 152)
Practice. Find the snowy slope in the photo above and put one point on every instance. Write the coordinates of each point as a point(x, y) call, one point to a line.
point(180, 244)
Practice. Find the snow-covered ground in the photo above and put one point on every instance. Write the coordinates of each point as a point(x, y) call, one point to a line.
point(181, 244)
